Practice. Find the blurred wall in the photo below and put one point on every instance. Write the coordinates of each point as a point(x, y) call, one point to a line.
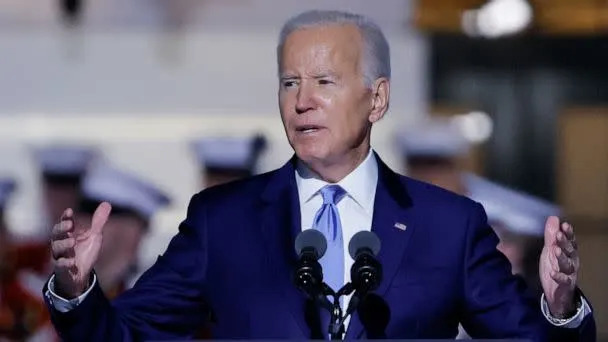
point(222, 59)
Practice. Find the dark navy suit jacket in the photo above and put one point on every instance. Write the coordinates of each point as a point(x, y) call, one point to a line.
point(231, 264)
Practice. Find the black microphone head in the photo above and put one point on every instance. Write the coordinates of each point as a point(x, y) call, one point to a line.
point(311, 239)
point(364, 239)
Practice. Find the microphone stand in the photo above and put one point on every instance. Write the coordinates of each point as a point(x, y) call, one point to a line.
point(336, 320)
point(337, 317)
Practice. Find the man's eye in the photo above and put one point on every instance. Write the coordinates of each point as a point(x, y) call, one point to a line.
point(325, 81)
point(289, 84)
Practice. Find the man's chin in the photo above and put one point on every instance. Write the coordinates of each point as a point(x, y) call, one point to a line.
point(311, 157)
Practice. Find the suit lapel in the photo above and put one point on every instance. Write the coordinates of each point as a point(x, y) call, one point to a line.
point(280, 217)
point(390, 223)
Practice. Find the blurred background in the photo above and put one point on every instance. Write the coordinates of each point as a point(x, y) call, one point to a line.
point(145, 102)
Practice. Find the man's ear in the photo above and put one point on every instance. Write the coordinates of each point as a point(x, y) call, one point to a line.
point(380, 96)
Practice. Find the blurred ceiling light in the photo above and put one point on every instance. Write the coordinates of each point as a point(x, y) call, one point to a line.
point(497, 18)
point(475, 126)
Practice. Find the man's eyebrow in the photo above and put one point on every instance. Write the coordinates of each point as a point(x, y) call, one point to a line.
point(316, 75)
point(324, 73)
point(288, 77)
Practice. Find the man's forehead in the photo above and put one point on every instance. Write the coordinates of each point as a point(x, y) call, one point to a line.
point(328, 34)
point(318, 45)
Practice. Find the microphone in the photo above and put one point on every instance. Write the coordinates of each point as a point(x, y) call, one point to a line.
point(366, 272)
point(310, 246)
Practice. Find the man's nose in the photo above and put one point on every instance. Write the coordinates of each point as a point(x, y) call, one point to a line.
point(305, 100)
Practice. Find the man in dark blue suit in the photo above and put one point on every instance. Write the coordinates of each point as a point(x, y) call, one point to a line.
point(231, 262)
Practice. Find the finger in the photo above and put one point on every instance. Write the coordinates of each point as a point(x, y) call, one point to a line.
point(553, 261)
point(551, 229)
point(66, 263)
point(63, 248)
point(566, 245)
point(568, 230)
point(100, 217)
point(566, 265)
point(561, 278)
point(61, 229)
point(67, 214)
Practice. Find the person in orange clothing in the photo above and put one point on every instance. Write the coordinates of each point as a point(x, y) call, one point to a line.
point(6, 314)
point(21, 312)
point(61, 170)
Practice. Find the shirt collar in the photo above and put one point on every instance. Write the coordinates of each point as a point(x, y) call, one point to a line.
point(360, 184)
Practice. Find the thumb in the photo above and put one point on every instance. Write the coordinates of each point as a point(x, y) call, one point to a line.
point(551, 229)
point(100, 217)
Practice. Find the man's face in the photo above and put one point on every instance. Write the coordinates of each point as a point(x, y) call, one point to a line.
point(325, 106)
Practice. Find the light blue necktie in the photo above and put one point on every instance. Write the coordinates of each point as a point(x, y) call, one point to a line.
point(327, 221)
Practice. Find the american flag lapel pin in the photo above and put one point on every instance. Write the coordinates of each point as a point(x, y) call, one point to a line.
point(400, 226)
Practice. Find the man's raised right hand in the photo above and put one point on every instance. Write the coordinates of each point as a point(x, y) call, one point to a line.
point(75, 250)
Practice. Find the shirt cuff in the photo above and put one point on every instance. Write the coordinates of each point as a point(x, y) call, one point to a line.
point(572, 322)
point(64, 305)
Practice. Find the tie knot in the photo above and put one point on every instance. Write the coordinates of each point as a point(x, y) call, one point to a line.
point(332, 194)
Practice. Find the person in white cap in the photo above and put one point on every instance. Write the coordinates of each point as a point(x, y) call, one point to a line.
point(134, 203)
point(226, 159)
point(518, 220)
point(435, 151)
point(62, 168)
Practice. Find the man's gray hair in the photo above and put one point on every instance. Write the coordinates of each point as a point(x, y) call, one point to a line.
point(376, 54)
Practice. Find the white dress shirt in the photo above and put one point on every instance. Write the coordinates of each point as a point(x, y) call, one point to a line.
point(356, 210)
